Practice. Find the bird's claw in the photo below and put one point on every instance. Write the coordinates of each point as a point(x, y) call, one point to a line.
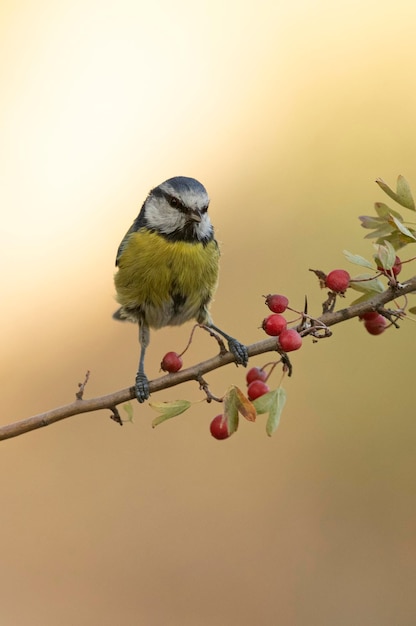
point(142, 387)
point(239, 351)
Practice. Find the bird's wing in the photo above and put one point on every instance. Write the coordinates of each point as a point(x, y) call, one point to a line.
point(138, 223)
point(124, 241)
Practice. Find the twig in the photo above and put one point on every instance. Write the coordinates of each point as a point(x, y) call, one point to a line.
point(205, 388)
point(115, 416)
point(81, 386)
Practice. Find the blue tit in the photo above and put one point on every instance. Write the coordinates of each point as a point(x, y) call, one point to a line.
point(168, 267)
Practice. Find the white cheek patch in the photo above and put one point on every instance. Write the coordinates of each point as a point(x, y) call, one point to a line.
point(166, 219)
point(163, 217)
point(203, 229)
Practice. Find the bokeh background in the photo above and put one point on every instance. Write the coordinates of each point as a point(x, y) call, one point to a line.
point(287, 112)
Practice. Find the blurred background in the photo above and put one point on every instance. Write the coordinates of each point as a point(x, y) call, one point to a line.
point(287, 112)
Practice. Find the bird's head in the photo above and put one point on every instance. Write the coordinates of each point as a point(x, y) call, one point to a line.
point(178, 209)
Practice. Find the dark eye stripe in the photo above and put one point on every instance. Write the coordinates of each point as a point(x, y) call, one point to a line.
point(176, 204)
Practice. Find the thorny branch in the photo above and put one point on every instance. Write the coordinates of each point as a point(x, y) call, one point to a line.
point(110, 401)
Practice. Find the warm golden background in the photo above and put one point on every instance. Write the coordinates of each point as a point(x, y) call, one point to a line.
point(287, 112)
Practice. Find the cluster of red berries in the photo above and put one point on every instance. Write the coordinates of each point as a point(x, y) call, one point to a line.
point(289, 339)
point(256, 378)
point(339, 280)
point(275, 325)
point(256, 386)
point(374, 322)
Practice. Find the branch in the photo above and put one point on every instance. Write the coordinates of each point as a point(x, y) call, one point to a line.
point(195, 372)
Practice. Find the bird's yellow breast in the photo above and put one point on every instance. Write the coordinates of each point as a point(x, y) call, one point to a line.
point(166, 282)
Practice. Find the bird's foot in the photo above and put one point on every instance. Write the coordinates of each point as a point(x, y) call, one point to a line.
point(142, 387)
point(239, 351)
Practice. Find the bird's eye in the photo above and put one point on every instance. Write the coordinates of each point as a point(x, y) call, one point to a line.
point(174, 202)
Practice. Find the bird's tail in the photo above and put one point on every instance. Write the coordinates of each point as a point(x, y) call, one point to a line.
point(119, 315)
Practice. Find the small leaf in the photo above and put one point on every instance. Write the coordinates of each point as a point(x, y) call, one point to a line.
point(397, 240)
point(384, 186)
point(168, 410)
point(403, 228)
point(367, 285)
point(385, 255)
point(368, 221)
point(412, 310)
point(357, 259)
point(385, 211)
point(129, 410)
point(263, 403)
point(381, 233)
point(245, 406)
point(404, 193)
point(364, 298)
point(231, 410)
point(275, 411)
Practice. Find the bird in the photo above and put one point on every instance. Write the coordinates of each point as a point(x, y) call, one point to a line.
point(167, 267)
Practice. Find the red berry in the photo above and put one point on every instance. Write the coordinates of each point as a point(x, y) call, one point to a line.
point(290, 340)
point(376, 326)
point(370, 315)
point(218, 427)
point(256, 389)
point(274, 324)
point(276, 303)
point(396, 269)
point(338, 281)
point(255, 373)
point(171, 362)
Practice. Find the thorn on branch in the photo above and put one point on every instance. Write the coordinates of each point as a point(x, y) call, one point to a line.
point(81, 386)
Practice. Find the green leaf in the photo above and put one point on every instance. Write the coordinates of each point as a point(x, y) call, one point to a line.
point(402, 196)
point(263, 403)
point(384, 186)
point(129, 410)
point(357, 259)
point(369, 221)
point(275, 411)
point(403, 228)
point(381, 233)
point(385, 211)
point(404, 193)
point(168, 410)
point(397, 240)
point(363, 298)
point(271, 403)
point(368, 285)
point(231, 409)
point(412, 310)
point(385, 255)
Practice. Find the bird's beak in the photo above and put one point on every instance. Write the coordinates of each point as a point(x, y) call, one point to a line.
point(194, 215)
